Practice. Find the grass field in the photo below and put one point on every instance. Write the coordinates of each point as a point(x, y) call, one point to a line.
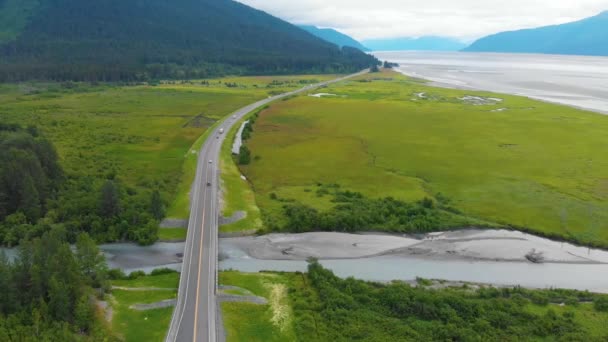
point(237, 194)
point(148, 325)
point(172, 234)
point(254, 322)
point(513, 161)
point(584, 314)
point(141, 134)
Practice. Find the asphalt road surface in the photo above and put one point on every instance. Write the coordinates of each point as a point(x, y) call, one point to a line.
point(194, 318)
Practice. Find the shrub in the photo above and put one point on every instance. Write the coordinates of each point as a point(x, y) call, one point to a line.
point(160, 271)
point(116, 274)
point(136, 274)
point(601, 304)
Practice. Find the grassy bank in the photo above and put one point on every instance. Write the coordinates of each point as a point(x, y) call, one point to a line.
point(237, 194)
point(501, 159)
point(321, 307)
point(149, 325)
point(258, 322)
point(172, 234)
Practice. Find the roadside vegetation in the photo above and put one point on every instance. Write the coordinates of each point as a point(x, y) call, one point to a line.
point(237, 195)
point(172, 234)
point(258, 322)
point(482, 159)
point(111, 160)
point(130, 324)
point(322, 307)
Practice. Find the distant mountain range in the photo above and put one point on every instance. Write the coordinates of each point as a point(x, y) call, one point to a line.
point(334, 37)
point(585, 37)
point(429, 43)
point(129, 40)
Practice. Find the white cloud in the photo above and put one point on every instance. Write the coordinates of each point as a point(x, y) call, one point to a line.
point(465, 19)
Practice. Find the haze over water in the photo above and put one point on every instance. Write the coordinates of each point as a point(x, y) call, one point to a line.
point(571, 80)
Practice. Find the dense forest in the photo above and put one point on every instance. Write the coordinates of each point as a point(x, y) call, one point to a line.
point(335, 309)
point(36, 196)
point(118, 40)
point(29, 172)
point(48, 291)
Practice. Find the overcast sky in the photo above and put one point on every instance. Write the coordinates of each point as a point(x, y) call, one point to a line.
point(465, 19)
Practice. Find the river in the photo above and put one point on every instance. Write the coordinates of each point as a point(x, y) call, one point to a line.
point(577, 81)
point(479, 256)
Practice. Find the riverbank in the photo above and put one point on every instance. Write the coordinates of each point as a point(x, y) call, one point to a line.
point(494, 257)
point(579, 82)
point(473, 244)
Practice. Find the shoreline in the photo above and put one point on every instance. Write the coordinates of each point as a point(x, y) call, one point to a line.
point(447, 85)
point(463, 245)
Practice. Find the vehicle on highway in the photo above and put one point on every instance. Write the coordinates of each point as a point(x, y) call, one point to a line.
point(221, 130)
point(208, 183)
point(210, 161)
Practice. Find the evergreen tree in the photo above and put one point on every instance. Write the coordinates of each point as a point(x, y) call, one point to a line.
point(29, 199)
point(7, 300)
point(91, 261)
point(110, 200)
point(59, 300)
point(83, 315)
point(244, 155)
point(157, 207)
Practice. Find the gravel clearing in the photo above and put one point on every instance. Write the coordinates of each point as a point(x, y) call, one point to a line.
point(490, 245)
point(320, 245)
point(158, 305)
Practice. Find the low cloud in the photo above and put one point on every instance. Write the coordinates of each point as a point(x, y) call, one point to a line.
point(465, 19)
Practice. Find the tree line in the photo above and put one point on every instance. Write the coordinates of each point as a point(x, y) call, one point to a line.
point(334, 309)
point(48, 291)
point(36, 195)
point(116, 40)
point(352, 211)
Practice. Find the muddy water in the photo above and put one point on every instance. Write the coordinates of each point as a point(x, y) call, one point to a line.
point(493, 257)
point(386, 268)
point(571, 80)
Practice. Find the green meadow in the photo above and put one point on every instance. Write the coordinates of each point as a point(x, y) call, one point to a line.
point(146, 136)
point(129, 324)
point(513, 161)
point(250, 322)
point(237, 194)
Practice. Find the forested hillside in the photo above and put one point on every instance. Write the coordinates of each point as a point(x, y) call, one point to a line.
point(584, 37)
point(334, 36)
point(138, 40)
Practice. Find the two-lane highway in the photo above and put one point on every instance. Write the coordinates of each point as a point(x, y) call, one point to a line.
point(194, 317)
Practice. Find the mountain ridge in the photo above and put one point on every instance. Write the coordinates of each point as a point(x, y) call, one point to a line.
point(583, 37)
point(426, 43)
point(334, 36)
point(138, 40)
